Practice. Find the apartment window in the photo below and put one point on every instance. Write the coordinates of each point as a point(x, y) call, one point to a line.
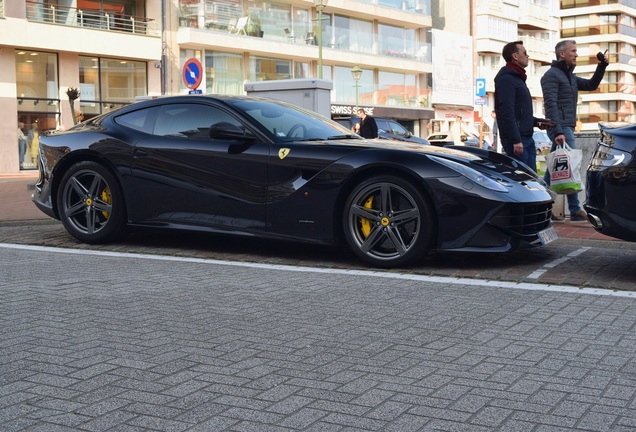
point(267, 69)
point(396, 41)
point(350, 34)
point(609, 24)
point(223, 73)
point(106, 83)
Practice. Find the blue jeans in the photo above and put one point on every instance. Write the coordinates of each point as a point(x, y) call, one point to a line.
point(22, 147)
point(529, 156)
point(574, 205)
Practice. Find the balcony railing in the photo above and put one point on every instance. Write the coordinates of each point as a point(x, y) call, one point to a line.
point(90, 18)
point(568, 4)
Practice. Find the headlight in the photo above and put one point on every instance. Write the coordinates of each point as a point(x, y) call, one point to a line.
point(471, 174)
point(606, 156)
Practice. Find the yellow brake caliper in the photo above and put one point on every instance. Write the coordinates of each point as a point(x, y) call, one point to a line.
point(365, 224)
point(107, 198)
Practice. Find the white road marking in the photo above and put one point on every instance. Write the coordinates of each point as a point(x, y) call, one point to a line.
point(366, 273)
point(537, 274)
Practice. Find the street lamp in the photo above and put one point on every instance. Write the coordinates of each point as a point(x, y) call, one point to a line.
point(356, 73)
point(320, 5)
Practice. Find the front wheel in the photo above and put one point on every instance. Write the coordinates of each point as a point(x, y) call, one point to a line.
point(90, 203)
point(388, 222)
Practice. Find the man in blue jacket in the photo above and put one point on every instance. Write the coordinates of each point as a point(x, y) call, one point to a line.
point(513, 106)
point(560, 97)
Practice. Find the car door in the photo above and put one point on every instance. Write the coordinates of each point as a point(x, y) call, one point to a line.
point(183, 176)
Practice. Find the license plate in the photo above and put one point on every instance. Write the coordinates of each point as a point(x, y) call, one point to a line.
point(547, 235)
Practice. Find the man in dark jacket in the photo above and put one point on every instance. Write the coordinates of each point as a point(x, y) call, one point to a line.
point(560, 98)
point(368, 126)
point(513, 106)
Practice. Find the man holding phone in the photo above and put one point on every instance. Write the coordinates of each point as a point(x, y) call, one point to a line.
point(560, 97)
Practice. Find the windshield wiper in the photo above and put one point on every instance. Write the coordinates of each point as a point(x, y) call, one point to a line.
point(348, 136)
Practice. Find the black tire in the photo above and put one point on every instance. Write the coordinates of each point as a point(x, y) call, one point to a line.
point(388, 222)
point(90, 204)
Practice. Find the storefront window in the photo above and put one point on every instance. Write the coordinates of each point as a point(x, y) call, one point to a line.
point(38, 101)
point(106, 84)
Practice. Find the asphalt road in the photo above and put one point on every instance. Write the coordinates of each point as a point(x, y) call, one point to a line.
point(98, 339)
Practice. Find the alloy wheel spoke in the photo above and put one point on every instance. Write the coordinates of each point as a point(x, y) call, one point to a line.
point(365, 213)
point(396, 239)
point(78, 187)
point(91, 216)
point(385, 198)
point(75, 209)
point(403, 216)
point(102, 206)
point(94, 187)
point(375, 236)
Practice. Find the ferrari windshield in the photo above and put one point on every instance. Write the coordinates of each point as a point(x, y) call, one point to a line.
point(285, 122)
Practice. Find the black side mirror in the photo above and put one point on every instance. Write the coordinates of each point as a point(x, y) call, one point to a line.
point(227, 130)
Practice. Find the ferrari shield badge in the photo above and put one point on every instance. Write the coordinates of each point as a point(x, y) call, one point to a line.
point(282, 153)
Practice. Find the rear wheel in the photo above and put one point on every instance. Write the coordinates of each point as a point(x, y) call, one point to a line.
point(388, 222)
point(90, 203)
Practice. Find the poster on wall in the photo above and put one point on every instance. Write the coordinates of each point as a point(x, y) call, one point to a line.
point(453, 82)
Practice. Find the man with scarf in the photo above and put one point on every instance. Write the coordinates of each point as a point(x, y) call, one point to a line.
point(513, 106)
point(560, 97)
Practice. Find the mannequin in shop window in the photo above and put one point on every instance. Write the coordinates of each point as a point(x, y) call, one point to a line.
point(34, 143)
point(22, 143)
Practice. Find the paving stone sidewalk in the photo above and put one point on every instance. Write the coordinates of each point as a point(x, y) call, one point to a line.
point(109, 343)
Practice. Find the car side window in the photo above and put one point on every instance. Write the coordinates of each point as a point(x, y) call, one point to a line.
point(140, 120)
point(398, 129)
point(190, 121)
point(383, 126)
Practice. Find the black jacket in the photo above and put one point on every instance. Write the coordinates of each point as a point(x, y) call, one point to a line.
point(513, 107)
point(368, 128)
point(561, 92)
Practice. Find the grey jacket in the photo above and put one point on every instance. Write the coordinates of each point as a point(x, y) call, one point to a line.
point(561, 92)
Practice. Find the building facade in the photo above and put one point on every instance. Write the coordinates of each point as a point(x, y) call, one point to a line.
point(105, 51)
point(599, 25)
point(420, 59)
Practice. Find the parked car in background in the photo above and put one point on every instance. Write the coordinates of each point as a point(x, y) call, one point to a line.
point(446, 138)
point(542, 142)
point(253, 167)
point(611, 182)
point(389, 129)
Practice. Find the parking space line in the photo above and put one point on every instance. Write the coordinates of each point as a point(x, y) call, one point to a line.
point(538, 273)
point(366, 273)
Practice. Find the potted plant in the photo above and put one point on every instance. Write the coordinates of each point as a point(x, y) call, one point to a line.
point(253, 27)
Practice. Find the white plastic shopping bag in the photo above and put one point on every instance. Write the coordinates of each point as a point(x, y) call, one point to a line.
point(564, 165)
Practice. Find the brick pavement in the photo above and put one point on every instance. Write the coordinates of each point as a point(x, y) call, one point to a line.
point(125, 343)
point(108, 343)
